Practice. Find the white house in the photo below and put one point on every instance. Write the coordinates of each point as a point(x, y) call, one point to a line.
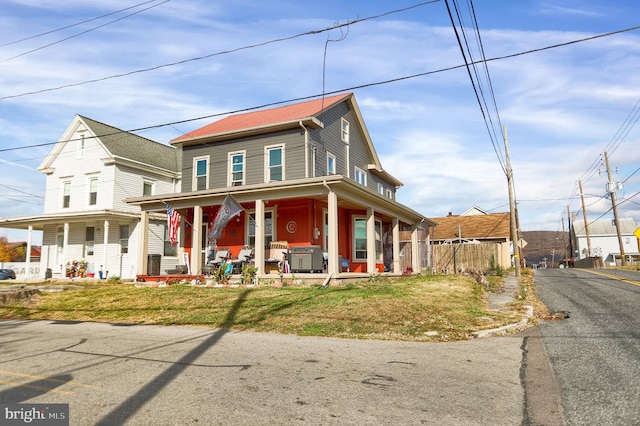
point(89, 172)
point(603, 240)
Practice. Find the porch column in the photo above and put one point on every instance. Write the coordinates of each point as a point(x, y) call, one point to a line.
point(105, 244)
point(415, 251)
point(259, 236)
point(143, 243)
point(395, 232)
point(333, 266)
point(65, 249)
point(371, 241)
point(196, 241)
point(28, 253)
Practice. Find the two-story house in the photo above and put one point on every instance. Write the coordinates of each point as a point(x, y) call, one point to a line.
point(306, 174)
point(89, 172)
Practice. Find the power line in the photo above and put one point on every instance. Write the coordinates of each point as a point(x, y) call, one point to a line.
point(476, 83)
point(348, 89)
point(224, 52)
point(83, 32)
point(74, 25)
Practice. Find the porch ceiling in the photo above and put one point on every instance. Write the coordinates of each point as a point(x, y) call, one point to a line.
point(350, 195)
point(38, 222)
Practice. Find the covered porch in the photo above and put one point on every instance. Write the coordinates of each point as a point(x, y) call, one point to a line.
point(359, 231)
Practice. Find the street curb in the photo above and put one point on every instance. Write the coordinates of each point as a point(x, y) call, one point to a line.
point(511, 328)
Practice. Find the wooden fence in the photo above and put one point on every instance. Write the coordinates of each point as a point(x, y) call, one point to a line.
point(449, 258)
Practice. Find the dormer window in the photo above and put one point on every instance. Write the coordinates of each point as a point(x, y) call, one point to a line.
point(344, 133)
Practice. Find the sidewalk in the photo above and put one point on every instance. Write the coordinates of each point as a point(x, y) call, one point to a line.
point(502, 301)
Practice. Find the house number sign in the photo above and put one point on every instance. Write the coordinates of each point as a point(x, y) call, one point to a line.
point(292, 226)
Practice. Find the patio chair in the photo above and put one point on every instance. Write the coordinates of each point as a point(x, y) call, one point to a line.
point(277, 256)
point(244, 257)
point(220, 257)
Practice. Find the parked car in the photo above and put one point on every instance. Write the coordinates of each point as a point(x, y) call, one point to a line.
point(6, 274)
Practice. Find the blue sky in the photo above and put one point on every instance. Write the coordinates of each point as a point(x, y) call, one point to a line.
point(563, 107)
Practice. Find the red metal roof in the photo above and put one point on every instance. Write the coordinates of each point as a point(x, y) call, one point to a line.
point(265, 117)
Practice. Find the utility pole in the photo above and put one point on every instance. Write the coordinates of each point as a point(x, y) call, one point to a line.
point(565, 246)
point(512, 203)
point(611, 188)
point(586, 224)
point(571, 254)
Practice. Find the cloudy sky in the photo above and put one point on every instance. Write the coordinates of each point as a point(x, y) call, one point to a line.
point(161, 64)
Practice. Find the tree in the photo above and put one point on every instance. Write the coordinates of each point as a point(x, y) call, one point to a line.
point(5, 251)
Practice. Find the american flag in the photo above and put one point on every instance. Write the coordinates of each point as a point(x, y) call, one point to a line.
point(173, 223)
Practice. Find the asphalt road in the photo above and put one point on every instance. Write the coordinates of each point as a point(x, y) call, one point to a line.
point(150, 375)
point(595, 352)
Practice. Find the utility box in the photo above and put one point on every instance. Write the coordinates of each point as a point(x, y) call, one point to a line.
point(153, 264)
point(306, 259)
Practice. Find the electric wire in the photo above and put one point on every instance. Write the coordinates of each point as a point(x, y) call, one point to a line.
point(74, 25)
point(224, 52)
point(342, 90)
point(83, 32)
point(469, 65)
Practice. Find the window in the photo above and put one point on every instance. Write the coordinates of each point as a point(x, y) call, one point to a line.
point(200, 173)
point(331, 164)
point(93, 191)
point(169, 249)
point(147, 188)
point(344, 134)
point(66, 194)
point(275, 163)
point(81, 146)
point(360, 239)
point(89, 238)
point(380, 188)
point(268, 228)
point(124, 238)
point(236, 168)
point(389, 194)
point(361, 176)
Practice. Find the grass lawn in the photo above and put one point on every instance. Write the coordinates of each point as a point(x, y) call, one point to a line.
point(403, 309)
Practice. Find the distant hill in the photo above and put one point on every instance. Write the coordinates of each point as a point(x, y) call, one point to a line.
point(541, 244)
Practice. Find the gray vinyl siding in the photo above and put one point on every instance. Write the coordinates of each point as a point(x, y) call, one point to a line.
point(329, 140)
point(254, 147)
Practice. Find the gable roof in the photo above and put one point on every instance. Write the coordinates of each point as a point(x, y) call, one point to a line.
point(479, 227)
point(262, 119)
point(121, 144)
point(605, 227)
point(281, 118)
